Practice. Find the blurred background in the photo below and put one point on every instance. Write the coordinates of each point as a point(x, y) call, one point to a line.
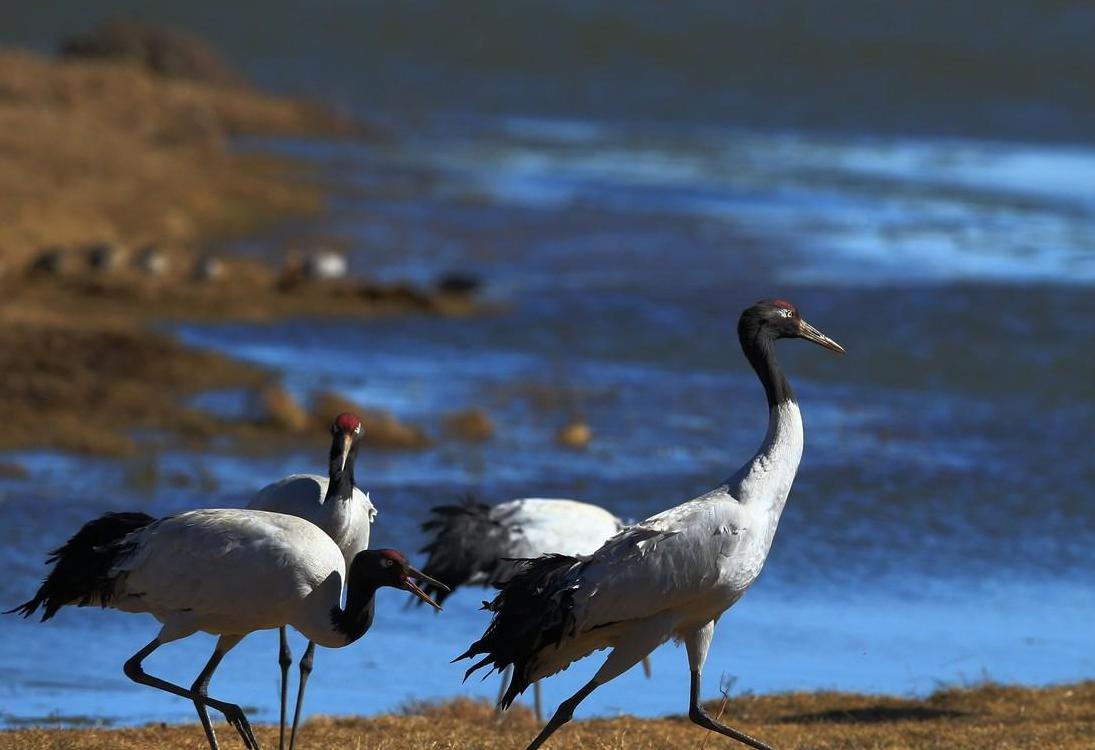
point(623, 178)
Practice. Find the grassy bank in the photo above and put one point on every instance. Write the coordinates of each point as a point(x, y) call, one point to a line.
point(988, 716)
point(95, 153)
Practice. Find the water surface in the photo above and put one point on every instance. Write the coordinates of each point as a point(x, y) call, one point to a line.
point(940, 529)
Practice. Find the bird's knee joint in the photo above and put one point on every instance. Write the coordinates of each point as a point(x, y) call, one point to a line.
point(132, 670)
point(698, 716)
point(305, 666)
point(566, 711)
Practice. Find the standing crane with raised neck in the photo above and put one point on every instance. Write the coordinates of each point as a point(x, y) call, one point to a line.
point(334, 504)
point(669, 577)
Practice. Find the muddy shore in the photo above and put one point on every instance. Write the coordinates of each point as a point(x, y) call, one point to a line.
point(102, 159)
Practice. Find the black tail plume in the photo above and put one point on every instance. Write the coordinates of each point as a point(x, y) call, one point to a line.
point(466, 543)
point(533, 610)
point(81, 565)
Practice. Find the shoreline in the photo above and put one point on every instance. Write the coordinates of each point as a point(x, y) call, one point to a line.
point(968, 718)
point(102, 154)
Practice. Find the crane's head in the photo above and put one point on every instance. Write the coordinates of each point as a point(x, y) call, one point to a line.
point(779, 319)
point(388, 567)
point(346, 432)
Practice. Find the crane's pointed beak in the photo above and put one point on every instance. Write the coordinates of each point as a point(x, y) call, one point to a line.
point(347, 444)
point(808, 332)
point(411, 586)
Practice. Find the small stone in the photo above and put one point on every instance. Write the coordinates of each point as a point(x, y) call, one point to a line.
point(326, 265)
point(469, 424)
point(274, 406)
point(459, 284)
point(12, 470)
point(103, 256)
point(209, 268)
point(151, 260)
point(49, 262)
point(382, 428)
point(576, 435)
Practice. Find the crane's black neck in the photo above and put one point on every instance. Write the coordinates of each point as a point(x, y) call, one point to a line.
point(759, 344)
point(341, 484)
point(354, 620)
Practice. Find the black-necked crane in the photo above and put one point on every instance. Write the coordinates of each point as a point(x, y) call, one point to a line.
point(224, 572)
point(475, 543)
point(334, 504)
point(670, 576)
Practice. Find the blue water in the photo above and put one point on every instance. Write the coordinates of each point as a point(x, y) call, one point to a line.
point(940, 530)
point(920, 180)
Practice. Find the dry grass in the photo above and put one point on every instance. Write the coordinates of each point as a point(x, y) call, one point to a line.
point(996, 717)
point(94, 151)
point(91, 385)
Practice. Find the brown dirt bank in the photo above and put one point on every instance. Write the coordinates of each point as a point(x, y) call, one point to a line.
point(98, 152)
point(1004, 718)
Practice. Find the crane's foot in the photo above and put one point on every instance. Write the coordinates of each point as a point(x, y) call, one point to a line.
point(700, 717)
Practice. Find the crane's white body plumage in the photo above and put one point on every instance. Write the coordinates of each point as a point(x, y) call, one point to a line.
point(676, 572)
point(231, 572)
point(541, 526)
point(347, 522)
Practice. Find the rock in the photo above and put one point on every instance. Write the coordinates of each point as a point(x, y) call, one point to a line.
point(575, 434)
point(103, 256)
point(179, 480)
point(151, 260)
point(49, 262)
point(382, 428)
point(166, 52)
point(459, 284)
point(273, 406)
point(326, 265)
point(292, 272)
point(469, 424)
point(208, 268)
point(326, 405)
point(12, 470)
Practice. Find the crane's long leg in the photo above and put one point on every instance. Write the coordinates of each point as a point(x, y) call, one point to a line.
point(135, 672)
point(305, 670)
point(537, 703)
point(285, 660)
point(629, 650)
point(646, 667)
point(232, 712)
point(697, 644)
point(563, 714)
point(201, 695)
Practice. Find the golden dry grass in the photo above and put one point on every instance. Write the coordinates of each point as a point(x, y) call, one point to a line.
point(981, 718)
point(95, 151)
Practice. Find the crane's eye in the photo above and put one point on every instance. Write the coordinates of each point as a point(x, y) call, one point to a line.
point(386, 563)
point(786, 313)
point(357, 430)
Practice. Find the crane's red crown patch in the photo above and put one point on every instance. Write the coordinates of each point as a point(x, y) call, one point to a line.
point(347, 423)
